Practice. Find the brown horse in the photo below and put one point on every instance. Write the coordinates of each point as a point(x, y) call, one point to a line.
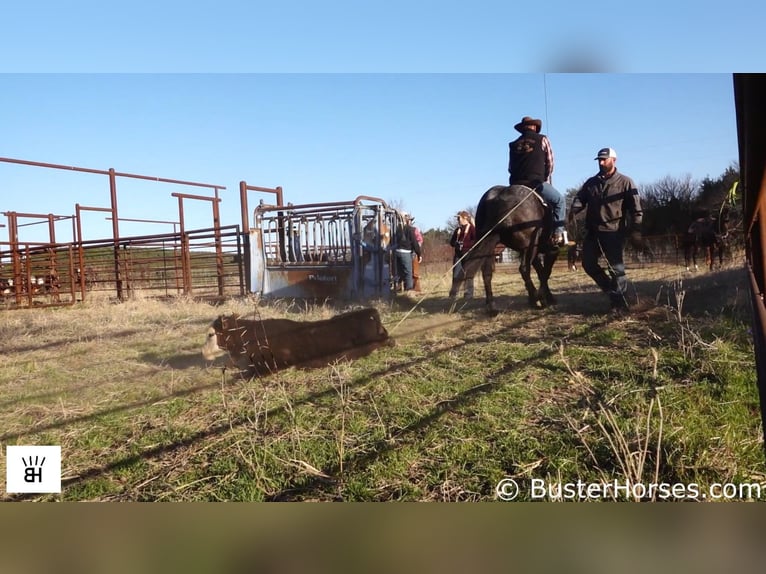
point(516, 217)
point(709, 234)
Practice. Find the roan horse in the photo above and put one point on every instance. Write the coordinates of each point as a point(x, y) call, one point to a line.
point(708, 233)
point(516, 217)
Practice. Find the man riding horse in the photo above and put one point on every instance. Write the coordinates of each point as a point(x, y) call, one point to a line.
point(530, 163)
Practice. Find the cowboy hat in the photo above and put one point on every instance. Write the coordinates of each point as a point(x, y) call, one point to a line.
point(527, 121)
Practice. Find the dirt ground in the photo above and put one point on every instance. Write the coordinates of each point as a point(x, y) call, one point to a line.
point(652, 289)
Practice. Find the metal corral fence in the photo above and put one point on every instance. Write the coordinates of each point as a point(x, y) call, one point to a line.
point(324, 250)
point(749, 98)
point(203, 263)
point(669, 249)
point(37, 274)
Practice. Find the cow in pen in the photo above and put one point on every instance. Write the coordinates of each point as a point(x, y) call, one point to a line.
point(265, 346)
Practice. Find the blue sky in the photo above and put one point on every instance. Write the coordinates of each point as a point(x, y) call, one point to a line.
point(412, 102)
point(379, 36)
point(431, 143)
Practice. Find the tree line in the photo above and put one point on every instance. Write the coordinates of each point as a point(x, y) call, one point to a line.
point(670, 204)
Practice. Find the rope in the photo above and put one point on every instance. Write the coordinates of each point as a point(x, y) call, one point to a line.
point(460, 260)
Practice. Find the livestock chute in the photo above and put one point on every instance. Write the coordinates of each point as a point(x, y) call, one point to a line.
point(338, 250)
point(749, 95)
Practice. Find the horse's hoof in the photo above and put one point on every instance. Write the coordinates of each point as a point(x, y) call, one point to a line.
point(492, 312)
point(537, 302)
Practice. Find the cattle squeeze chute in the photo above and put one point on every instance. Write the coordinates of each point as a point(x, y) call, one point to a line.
point(338, 250)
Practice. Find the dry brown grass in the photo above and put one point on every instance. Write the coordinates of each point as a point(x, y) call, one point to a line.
point(141, 416)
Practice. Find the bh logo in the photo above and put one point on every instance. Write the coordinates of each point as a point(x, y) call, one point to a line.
point(33, 469)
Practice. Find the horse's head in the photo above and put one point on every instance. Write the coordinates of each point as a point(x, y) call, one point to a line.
point(722, 223)
point(371, 235)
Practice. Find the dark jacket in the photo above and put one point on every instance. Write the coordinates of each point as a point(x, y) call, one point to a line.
point(612, 203)
point(406, 240)
point(530, 160)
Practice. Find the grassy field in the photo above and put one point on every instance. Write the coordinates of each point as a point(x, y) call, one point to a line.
point(566, 394)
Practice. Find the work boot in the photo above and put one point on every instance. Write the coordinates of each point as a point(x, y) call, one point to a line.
point(620, 307)
point(559, 238)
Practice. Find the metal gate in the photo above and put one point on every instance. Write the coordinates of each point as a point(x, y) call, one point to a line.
point(339, 250)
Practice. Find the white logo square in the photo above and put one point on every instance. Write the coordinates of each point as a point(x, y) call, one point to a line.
point(33, 469)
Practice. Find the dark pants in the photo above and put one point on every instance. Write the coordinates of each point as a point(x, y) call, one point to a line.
point(611, 279)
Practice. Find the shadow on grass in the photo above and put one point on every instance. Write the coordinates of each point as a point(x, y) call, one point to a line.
point(177, 362)
point(724, 286)
point(227, 426)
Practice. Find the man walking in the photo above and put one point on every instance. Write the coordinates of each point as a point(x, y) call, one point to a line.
point(613, 212)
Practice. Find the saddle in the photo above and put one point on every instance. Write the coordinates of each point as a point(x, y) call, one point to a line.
point(547, 237)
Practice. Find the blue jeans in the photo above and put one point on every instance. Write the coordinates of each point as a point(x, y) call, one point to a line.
point(555, 202)
point(404, 265)
point(611, 280)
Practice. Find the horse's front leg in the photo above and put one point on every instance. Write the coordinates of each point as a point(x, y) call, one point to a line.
point(544, 270)
point(525, 270)
point(487, 270)
point(690, 255)
point(693, 260)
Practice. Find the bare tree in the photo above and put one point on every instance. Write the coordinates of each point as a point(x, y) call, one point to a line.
point(670, 189)
point(668, 204)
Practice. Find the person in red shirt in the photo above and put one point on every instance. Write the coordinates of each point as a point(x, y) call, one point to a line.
point(463, 238)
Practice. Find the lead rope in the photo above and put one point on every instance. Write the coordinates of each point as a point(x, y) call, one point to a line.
point(450, 270)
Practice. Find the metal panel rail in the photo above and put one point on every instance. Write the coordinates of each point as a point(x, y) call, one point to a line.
point(749, 97)
point(200, 263)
